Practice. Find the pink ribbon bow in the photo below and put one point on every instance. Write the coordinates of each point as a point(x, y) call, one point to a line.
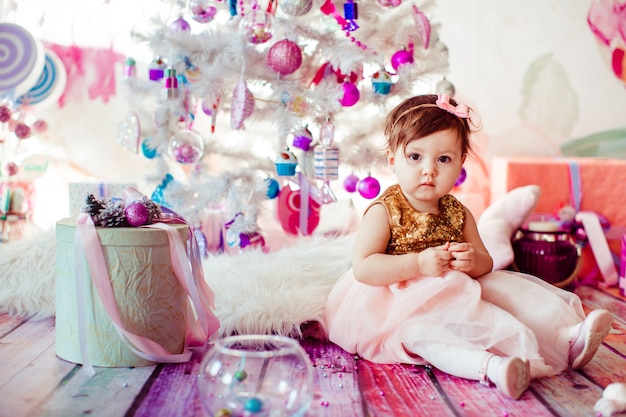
point(461, 110)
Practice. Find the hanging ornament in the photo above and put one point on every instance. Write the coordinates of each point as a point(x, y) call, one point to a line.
point(389, 3)
point(423, 26)
point(171, 84)
point(368, 187)
point(400, 58)
point(284, 57)
point(618, 59)
point(202, 11)
point(129, 132)
point(286, 163)
point(351, 14)
point(211, 110)
point(156, 69)
point(273, 188)
point(243, 240)
point(381, 82)
point(350, 183)
point(326, 161)
point(295, 217)
point(21, 130)
point(295, 7)
point(180, 25)
point(130, 68)
point(257, 26)
point(242, 105)
point(5, 114)
point(11, 168)
point(186, 147)
point(462, 177)
point(350, 94)
point(147, 149)
point(302, 138)
point(445, 87)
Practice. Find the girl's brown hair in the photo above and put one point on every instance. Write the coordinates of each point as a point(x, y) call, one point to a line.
point(419, 116)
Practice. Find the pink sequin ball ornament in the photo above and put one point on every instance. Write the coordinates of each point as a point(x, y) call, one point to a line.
point(350, 183)
point(22, 131)
point(351, 95)
point(368, 187)
point(400, 58)
point(136, 214)
point(186, 147)
point(5, 114)
point(284, 57)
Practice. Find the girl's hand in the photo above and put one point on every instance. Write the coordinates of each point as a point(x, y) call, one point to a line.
point(462, 257)
point(435, 261)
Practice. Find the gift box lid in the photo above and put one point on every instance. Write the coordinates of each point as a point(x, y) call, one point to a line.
point(121, 236)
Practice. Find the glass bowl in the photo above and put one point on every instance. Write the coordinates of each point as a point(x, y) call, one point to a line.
point(256, 376)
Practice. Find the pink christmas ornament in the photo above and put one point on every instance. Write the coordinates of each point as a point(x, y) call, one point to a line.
point(289, 207)
point(350, 183)
point(5, 114)
point(202, 11)
point(180, 25)
point(136, 214)
point(389, 3)
point(22, 131)
point(40, 126)
point(186, 147)
point(368, 187)
point(284, 57)
point(11, 168)
point(242, 105)
point(400, 58)
point(350, 95)
point(257, 27)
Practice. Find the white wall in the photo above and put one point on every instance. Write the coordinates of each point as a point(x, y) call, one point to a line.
point(494, 42)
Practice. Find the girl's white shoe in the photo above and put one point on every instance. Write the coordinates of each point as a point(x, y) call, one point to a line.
point(511, 375)
point(591, 333)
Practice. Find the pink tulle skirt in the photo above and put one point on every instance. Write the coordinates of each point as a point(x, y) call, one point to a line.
point(503, 312)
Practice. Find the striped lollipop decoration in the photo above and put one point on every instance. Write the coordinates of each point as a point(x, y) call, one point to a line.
point(50, 85)
point(21, 59)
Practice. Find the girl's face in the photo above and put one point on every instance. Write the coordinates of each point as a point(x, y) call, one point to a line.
point(428, 168)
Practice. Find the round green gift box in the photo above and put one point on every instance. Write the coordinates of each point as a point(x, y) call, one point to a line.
point(151, 301)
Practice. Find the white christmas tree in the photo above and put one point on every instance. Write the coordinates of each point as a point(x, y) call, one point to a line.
point(239, 85)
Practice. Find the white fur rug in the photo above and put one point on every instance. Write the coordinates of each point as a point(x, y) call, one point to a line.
point(254, 292)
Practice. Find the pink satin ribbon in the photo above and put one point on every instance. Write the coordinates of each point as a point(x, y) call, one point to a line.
point(188, 271)
point(599, 246)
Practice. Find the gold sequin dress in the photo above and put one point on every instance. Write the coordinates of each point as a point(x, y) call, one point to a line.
point(443, 319)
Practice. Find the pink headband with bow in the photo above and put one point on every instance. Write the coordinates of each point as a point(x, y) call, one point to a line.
point(461, 110)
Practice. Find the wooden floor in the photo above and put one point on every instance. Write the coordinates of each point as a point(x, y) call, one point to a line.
point(34, 382)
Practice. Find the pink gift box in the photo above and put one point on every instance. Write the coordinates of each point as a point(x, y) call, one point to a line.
point(601, 180)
